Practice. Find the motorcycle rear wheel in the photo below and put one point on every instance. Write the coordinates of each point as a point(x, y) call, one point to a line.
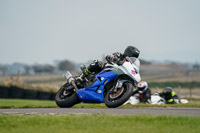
point(116, 99)
point(66, 98)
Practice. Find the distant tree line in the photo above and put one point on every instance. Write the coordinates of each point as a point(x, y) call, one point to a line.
point(3, 69)
point(60, 66)
point(25, 69)
point(47, 68)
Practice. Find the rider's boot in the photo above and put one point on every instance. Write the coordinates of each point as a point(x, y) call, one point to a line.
point(95, 66)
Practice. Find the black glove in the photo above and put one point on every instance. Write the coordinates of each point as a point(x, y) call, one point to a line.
point(115, 58)
point(109, 59)
point(117, 54)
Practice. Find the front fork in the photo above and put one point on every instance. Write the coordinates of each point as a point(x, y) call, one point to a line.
point(74, 85)
point(71, 80)
point(119, 84)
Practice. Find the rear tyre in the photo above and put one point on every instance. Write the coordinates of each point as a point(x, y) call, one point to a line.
point(116, 99)
point(66, 97)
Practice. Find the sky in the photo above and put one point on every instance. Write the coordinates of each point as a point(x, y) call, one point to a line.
point(41, 31)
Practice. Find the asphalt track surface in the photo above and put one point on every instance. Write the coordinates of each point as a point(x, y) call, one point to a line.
point(108, 111)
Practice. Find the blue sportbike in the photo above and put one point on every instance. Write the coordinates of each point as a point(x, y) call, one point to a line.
point(113, 86)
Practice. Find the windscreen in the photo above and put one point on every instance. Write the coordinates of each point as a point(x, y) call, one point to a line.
point(131, 59)
point(134, 61)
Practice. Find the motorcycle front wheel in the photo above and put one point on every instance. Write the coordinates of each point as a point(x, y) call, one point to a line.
point(116, 98)
point(66, 97)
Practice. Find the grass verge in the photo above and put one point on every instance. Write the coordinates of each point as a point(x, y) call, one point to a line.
point(22, 103)
point(98, 124)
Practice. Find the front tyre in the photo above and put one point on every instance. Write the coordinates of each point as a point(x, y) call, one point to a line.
point(66, 97)
point(117, 98)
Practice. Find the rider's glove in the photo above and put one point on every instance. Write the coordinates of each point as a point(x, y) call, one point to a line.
point(109, 59)
point(117, 54)
point(117, 57)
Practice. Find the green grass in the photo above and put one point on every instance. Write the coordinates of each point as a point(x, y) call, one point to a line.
point(22, 103)
point(98, 124)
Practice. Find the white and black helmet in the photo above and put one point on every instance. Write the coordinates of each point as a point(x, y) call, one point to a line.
point(142, 86)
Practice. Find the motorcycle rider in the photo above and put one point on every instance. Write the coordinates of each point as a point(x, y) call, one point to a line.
point(118, 58)
point(143, 91)
point(169, 95)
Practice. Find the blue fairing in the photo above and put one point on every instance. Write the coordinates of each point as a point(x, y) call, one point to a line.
point(94, 94)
